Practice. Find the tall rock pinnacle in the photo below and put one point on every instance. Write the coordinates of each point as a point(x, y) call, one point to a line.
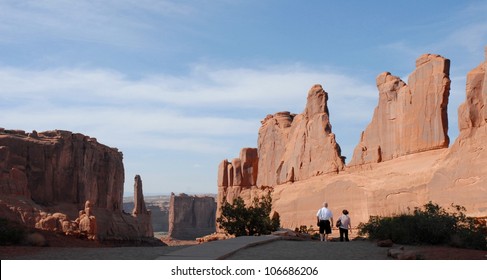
point(139, 203)
point(296, 147)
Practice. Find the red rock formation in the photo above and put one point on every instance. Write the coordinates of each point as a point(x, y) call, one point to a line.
point(291, 148)
point(407, 162)
point(298, 147)
point(473, 112)
point(462, 174)
point(241, 171)
point(57, 172)
point(139, 203)
point(191, 216)
point(60, 166)
point(409, 118)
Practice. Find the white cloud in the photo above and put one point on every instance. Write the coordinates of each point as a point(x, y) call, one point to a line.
point(195, 112)
point(472, 38)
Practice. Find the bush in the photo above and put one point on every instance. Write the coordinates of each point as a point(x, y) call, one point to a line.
point(430, 225)
point(239, 220)
point(10, 233)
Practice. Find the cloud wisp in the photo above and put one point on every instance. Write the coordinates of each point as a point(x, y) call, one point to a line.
point(206, 103)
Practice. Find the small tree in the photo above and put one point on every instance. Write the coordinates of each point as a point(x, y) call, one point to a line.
point(239, 220)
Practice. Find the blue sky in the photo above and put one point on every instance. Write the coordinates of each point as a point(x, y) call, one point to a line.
point(179, 86)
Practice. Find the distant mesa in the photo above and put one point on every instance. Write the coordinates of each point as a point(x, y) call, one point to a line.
point(191, 216)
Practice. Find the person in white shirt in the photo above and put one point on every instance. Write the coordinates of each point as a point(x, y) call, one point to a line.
point(324, 219)
point(344, 225)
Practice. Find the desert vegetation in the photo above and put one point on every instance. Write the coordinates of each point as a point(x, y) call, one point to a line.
point(430, 224)
point(238, 219)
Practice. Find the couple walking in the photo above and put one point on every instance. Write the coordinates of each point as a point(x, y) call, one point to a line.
point(324, 219)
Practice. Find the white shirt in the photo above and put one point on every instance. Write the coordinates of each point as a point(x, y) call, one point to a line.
point(324, 214)
point(345, 221)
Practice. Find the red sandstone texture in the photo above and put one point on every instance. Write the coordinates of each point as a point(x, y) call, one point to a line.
point(411, 117)
point(296, 147)
point(46, 179)
point(191, 217)
point(402, 161)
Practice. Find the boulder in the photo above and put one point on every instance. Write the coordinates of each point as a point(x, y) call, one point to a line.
point(385, 243)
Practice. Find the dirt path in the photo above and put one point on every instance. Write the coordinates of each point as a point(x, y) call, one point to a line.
point(277, 250)
point(354, 250)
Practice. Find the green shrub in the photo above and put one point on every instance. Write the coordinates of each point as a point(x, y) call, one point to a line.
point(429, 225)
point(10, 232)
point(237, 219)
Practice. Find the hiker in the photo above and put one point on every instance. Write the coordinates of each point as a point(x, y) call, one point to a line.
point(324, 218)
point(343, 224)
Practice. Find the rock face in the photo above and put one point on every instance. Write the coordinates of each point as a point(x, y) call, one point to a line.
point(411, 117)
point(291, 148)
point(297, 147)
point(462, 174)
point(60, 166)
point(241, 171)
point(473, 113)
point(191, 216)
point(57, 172)
point(402, 161)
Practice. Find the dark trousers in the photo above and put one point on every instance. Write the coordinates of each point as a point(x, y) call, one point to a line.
point(325, 227)
point(343, 233)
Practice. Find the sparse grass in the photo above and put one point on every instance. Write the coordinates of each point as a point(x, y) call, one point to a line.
point(430, 225)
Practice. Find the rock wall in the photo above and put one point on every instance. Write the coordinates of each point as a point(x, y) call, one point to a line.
point(191, 216)
point(402, 161)
point(290, 148)
point(241, 171)
point(297, 147)
point(462, 174)
point(60, 166)
point(409, 118)
point(473, 112)
point(57, 172)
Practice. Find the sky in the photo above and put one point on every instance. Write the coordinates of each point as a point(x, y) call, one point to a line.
point(179, 86)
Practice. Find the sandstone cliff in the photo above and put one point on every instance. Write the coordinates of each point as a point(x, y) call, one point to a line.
point(291, 148)
point(57, 172)
point(402, 161)
point(410, 118)
point(462, 174)
point(191, 216)
point(297, 147)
